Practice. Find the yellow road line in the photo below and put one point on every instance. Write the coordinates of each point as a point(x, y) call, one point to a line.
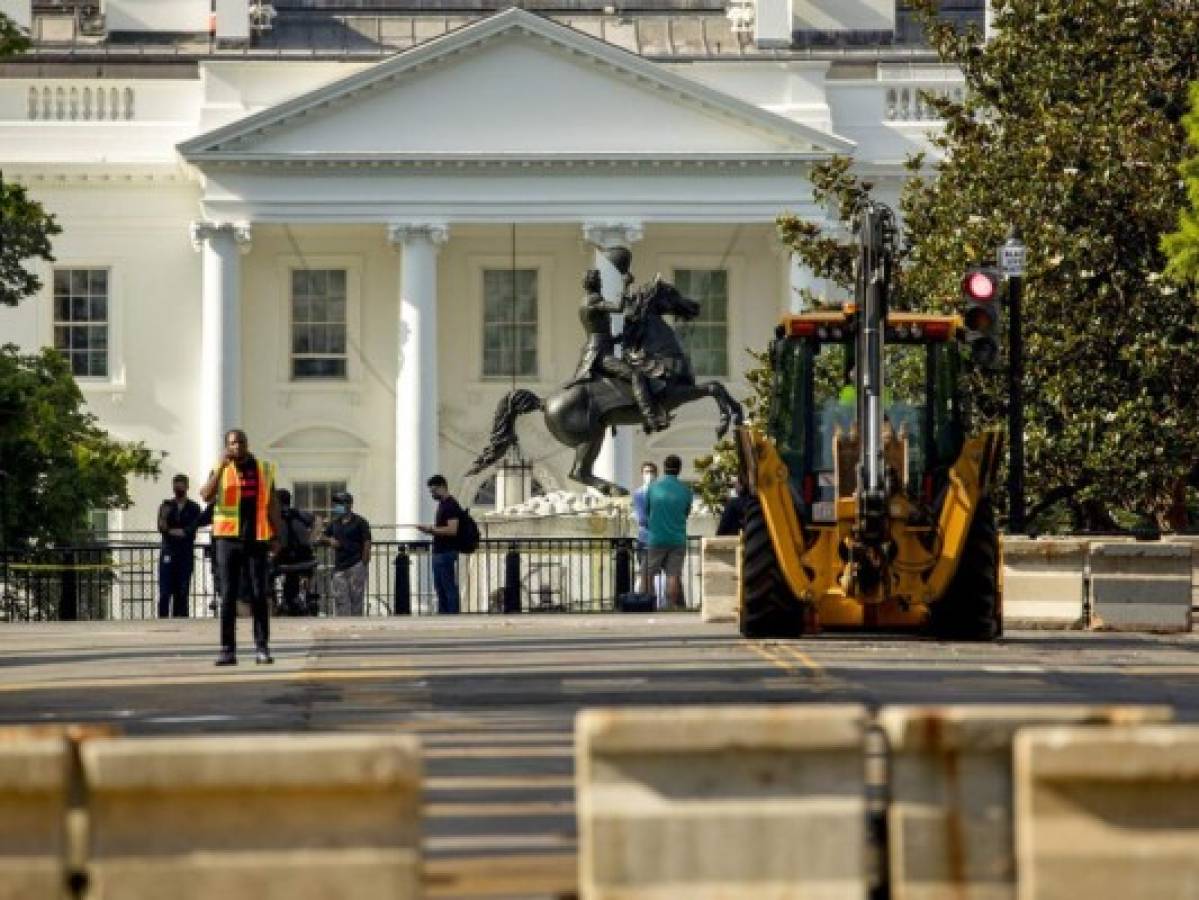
point(256, 675)
point(810, 664)
point(516, 875)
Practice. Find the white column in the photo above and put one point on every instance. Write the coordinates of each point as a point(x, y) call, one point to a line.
point(416, 380)
point(220, 245)
point(615, 461)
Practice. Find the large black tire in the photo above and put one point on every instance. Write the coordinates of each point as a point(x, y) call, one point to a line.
point(768, 609)
point(969, 609)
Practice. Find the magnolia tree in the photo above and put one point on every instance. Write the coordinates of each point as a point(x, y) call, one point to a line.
point(56, 463)
point(1071, 130)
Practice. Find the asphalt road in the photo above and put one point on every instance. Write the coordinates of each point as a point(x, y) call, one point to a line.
point(493, 699)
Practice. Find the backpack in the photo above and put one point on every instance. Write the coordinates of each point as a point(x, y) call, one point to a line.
point(468, 533)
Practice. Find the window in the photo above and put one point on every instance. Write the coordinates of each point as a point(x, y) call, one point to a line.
point(706, 338)
point(318, 323)
point(316, 496)
point(99, 525)
point(509, 323)
point(81, 320)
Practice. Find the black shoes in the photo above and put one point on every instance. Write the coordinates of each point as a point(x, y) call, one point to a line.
point(229, 658)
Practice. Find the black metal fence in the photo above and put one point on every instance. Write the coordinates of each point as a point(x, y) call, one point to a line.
point(119, 579)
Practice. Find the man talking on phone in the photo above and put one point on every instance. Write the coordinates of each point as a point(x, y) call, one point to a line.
point(246, 525)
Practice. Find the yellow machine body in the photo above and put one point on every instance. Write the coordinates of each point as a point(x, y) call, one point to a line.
point(926, 552)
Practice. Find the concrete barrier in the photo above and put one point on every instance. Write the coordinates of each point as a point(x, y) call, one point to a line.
point(1140, 586)
point(728, 802)
point(949, 823)
point(721, 578)
point(1192, 541)
point(1043, 582)
point(293, 816)
point(1108, 813)
point(34, 792)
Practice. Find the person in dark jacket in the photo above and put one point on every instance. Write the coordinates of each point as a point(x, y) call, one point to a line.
point(178, 521)
point(732, 518)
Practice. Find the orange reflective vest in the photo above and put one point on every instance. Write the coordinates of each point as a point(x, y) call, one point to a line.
point(226, 515)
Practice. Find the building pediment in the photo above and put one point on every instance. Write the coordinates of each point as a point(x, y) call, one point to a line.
point(512, 87)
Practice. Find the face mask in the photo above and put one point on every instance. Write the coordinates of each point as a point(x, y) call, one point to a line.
point(339, 510)
point(646, 477)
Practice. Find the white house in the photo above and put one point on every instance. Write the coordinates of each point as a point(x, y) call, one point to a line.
point(352, 231)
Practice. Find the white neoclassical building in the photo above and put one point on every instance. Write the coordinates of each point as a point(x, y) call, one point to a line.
point(352, 231)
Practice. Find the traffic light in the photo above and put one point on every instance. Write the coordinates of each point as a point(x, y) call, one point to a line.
point(980, 291)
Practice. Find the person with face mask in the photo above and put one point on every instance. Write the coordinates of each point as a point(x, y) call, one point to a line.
point(649, 471)
point(178, 520)
point(350, 537)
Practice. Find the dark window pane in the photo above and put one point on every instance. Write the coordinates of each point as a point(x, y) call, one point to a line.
point(99, 282)
point(62, 337)
point(78, 282)
point(62, 282)
point(98, 311)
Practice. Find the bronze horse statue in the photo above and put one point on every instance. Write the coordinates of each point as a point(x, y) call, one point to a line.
point(580, 414)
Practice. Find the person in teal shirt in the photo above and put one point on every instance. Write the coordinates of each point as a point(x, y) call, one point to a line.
point(668, 502)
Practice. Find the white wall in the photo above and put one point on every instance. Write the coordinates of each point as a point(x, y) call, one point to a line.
point(156, 15)
point(140, 233)
point(844, 15)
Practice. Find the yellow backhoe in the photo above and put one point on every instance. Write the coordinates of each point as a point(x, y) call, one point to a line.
point(869, 498)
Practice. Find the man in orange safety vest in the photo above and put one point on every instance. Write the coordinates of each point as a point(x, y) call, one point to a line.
point(246, 527)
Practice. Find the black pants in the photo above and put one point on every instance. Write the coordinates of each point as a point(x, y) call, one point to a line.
point(174, 579)
point(243, 565)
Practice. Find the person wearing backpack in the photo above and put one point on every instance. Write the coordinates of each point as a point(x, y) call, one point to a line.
point(445, 531)
point(296, 561)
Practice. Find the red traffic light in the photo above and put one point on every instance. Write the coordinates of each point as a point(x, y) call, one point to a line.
point(980, 286)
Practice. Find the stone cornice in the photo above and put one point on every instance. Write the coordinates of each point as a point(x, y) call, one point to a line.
point(366, 163)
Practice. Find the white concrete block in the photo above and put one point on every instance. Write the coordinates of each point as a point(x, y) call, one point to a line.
point(34, 786)
point(1107, 813)
point(721, 578)
point(1043, 582)
point(1140, 586)
point(729, 802)
point(950, 832)
point(288, 816)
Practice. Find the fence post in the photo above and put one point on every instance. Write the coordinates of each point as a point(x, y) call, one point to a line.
point(68, 603)
point(403, 578)
point(624, 567)
point(512, 580)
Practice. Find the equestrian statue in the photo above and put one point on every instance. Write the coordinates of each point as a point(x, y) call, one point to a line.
point(642, 386)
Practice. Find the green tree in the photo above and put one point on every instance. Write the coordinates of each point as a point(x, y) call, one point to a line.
point(56, 463)
point(1071, 130)
point(1183, 245)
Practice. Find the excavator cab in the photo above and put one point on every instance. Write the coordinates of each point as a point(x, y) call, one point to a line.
point(869, 496)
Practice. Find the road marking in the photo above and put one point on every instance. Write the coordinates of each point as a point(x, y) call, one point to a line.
point(491, 810)
point(1001, 670)
point(497, 782)
point(547, 841)
point(187, 720)
point(497, 752)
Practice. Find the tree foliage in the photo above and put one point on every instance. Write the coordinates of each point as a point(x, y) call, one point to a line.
point(1071, 131)
point(1183, 245)
point(58, 464)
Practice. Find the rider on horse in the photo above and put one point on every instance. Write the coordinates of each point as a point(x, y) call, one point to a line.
point(599, 353)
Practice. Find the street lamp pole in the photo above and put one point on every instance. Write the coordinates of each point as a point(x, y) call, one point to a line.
point(1012, 257)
